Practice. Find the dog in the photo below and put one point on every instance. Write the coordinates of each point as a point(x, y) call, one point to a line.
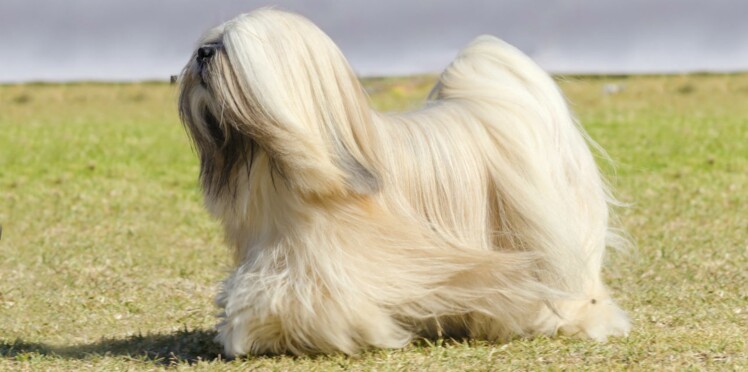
point(482, 215)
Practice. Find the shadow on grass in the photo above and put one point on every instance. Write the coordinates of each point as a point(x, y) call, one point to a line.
point(180, 346)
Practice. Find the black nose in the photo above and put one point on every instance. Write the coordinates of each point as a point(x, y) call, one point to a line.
point(204, 53)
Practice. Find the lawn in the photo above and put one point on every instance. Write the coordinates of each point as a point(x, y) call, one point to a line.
point(108, 260)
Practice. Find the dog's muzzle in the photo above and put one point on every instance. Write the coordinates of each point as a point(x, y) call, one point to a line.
point(203, 56)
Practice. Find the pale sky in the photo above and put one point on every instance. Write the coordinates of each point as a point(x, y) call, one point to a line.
point(56, 40)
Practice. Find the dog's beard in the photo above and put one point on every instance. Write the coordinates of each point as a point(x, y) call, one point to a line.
point(231, 153)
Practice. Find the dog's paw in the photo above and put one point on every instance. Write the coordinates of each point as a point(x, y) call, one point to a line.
point(607, 321)
point(597, 320)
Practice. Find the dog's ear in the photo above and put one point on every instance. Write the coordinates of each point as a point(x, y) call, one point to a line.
point(287, 86)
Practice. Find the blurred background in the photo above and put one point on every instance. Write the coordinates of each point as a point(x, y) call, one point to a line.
point(52, 40)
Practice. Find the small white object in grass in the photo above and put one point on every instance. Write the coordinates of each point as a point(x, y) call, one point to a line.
point(611, 88)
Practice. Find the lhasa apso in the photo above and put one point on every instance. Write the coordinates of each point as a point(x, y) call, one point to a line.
point(482, 215)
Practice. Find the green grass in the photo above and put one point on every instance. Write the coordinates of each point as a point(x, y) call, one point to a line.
point(108, 261)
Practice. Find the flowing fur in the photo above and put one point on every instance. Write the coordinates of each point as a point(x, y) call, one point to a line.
point(481, 215)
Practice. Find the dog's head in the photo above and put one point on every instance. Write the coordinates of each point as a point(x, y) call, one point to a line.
point(272, 83)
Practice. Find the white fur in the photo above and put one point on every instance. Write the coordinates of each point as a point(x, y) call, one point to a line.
point(481, 215)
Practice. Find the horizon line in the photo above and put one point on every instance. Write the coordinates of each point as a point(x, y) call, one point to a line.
point(167, 79)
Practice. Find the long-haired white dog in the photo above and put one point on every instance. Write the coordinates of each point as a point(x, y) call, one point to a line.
point(482, 215)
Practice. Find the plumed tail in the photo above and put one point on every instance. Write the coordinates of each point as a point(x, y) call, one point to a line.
point(550, 195)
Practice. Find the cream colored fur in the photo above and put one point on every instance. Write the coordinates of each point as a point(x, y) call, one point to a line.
point(481, 215)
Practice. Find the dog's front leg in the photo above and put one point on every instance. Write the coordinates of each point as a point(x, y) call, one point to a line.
point(280, 307)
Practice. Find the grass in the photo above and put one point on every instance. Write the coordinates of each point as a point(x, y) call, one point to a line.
point(108, 261)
